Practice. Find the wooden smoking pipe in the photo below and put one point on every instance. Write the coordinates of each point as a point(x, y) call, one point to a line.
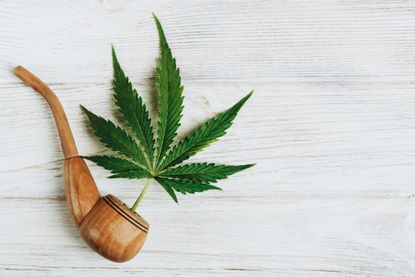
point(105, 223)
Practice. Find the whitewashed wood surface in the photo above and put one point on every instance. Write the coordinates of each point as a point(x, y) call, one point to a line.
point(331, 127)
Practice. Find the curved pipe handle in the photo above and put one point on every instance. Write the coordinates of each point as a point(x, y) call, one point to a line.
point(65, 134)
point(80, 189)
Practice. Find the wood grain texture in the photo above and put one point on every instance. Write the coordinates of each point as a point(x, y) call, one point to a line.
point(113, 230)
point(331, 126)
point(81, 192)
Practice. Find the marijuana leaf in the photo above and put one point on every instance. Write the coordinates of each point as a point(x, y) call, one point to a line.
point(183, 186)
point(120, 167)
point(169, 97)
point(133, 109)
point(115, 138)
point(152, 153)
point(203, 136)
point(203, 172)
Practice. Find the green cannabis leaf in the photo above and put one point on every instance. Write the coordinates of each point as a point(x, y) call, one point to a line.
point(152, 153)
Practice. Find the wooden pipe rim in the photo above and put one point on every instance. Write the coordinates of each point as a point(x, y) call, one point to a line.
point(126, 213)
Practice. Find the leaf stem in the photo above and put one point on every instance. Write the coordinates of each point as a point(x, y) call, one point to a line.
point(140, 197)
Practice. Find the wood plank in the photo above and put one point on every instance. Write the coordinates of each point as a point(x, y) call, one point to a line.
point(307, 137)
point(213, 40)
point(287, 237)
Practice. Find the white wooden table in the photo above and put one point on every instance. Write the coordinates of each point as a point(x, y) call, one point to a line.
point(331, 127)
